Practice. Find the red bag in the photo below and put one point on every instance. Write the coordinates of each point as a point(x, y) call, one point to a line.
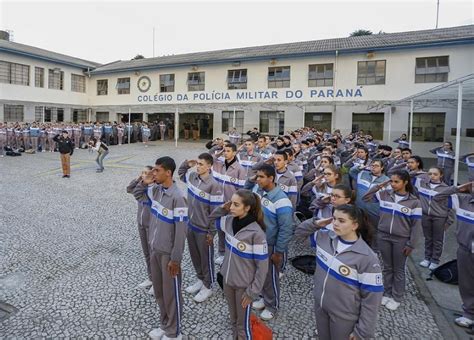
point(260, 331)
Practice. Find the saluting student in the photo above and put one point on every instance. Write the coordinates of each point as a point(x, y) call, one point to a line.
point(204, 195)
point(398, 230)
point(143, 220)
point(446, 160)
point(245, 263)
point(284, 177)
point(278, 219)
point(167, 235)
point(347, 281)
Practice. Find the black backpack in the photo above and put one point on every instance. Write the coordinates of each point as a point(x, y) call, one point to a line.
point(447, 272)
point(305, 263)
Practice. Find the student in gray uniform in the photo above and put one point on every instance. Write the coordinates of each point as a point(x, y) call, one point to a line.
point(167, 235)
point(462, 201)
point(446, 159)
point(469, 160)
point(204, 195)
point(143, 220)
point(231, 176)
point(398, 229)
point(284, 178)
point(348, 281)
point(245, 263)
point(278, 219)
point(435, 215)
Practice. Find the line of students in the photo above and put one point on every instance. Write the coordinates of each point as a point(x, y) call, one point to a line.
point(248, 196)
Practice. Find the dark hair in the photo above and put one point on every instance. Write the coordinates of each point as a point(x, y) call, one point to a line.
point(232, 146)
point(381, 163)
point(359, 216)
point(289, 152)
point(361, 147)
point(262, 137)
point(441, 171)
point(329, 158)
point(406, 149)
point(336, 170)
point(450, 145)
point(404, 176)
point(166, 163)
point(348, 192)
point(419, 161)
point(206, 157)
point(282, 153)
point(148, 167)
point(268, 170)
point(253, 201)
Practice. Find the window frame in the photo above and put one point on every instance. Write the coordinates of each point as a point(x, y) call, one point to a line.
point(101, 90)
point(13, 73)
point(239, 120)
point(123, 89)
point(163, 86)
point(52, 82)
point(422, 73)
point(369, 76)
point(39, 77)
point(234, 83)
point(200, 84)
point(76, 80)
point(276, 81)
point(6, 113)
point(313, 81)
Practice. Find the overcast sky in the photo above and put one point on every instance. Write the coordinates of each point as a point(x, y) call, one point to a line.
point(105, 31)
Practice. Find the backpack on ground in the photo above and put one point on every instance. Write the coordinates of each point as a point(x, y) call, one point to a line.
point(447, 272)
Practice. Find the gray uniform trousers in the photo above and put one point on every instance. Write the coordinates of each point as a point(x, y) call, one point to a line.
point(239, 317)
point(202, 256)
point(168, 294)
point(433, 230)
point(143, 232)
point(271, 286)
point(331, 327)
point(391, 249)
point(466, 281)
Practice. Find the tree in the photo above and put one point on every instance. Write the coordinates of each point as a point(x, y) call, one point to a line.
point(360, 32)
point(138, 56)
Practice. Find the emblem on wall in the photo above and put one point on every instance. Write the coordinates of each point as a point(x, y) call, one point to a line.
point(144, 83)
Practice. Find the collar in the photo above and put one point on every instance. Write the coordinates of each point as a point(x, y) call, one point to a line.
point(168, 191)
point(229, 164)
point(358, 247)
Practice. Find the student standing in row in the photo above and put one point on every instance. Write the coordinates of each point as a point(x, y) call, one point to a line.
point(245, 263)
point(446, 158)
point(167, 239)
point(204, 195)
point(347, 281)
point(398, 229)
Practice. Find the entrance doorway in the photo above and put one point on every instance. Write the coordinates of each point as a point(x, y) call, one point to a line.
point(204, 122)
point(318, 120)
point(157, 117)
point(371, 123)
point(134, 117)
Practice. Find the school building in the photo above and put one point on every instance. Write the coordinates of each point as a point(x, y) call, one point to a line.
point(344, 83)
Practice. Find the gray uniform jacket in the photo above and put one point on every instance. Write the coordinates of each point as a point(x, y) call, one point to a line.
point(347, 284)
point(246, 258)
point(445, 158)
point(248, 162)
point(231, 179)
point(204, 195)
point(401, 219)
point(168, 225)
point(143, 211)
point(463, 205)
point(430, 207)
point(288, 184)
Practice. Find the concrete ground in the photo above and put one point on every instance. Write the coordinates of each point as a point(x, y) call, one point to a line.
point(70, 259)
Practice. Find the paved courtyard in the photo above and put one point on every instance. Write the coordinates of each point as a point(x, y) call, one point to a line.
point(70, 258)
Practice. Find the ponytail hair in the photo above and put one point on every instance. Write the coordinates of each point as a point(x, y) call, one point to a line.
point(405, 176)
point(252, 200)
point(365, 230)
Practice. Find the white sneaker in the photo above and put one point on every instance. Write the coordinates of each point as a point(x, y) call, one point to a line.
point(259, 304)
point(433, 266)
point(280, 275)
point(219, 260)
point(464, 322)
point(151, 291)
point(145, 284)
point(179, 337)
point(204, 294)
point(193, 289)
point(385, 300)
point(425, 263)
point(266, 315)
point(392, 304)
point(156, 333)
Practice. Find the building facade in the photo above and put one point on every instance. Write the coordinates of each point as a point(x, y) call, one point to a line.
point(335, 83)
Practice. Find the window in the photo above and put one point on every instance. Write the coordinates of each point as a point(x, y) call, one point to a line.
point(372, 123)
point(228, 121)
point(196, 81)
point(79, 115)
point(102, 116)
point(39, 114)
point(428, 127)
point(319, 120)
point(278, 77)
point(12, 73)
point(432, 70)
point(469, 132)
point(236, 79)
point(102, 87)
point(320, 75)
point(39, 77)
point(123, 86)
point(371, 72)
point(56, 79)
point(272, 122)
point(167, 83)
point(13, 113)
point(78, 83)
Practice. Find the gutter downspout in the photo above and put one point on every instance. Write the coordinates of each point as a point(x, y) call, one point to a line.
point(334, 89)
